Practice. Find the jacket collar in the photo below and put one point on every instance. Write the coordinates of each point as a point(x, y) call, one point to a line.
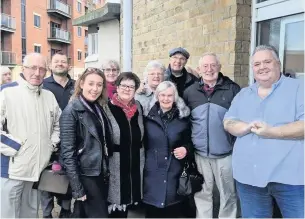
point(35, 89)
point(184, 72)
point(148, 92)
point(223, 82)
point(52, 80)
point(78, 105)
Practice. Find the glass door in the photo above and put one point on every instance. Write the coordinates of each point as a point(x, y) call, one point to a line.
point(291, 46)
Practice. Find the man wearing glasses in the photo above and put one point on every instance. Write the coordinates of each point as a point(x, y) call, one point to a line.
point(176, 70)
point(29, 134)
point(209, 99)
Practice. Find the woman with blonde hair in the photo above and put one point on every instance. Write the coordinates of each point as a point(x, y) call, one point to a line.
point(86, 143)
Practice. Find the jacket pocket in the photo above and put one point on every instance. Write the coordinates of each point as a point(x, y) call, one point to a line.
point(220, 144)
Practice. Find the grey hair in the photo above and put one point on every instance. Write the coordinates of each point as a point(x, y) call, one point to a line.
point(184, 111)
point(209, 54)
point(110, 62)
point(272, 49)
point(152, 65)
point(27, 57)
point(5, 69)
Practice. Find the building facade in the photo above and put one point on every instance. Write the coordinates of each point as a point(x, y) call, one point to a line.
point(230, 28)
point(43, 26)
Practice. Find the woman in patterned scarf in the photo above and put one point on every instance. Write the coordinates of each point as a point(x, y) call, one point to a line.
point(127, 162)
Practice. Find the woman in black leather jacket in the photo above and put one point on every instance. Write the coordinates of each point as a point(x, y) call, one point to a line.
point(85, 140)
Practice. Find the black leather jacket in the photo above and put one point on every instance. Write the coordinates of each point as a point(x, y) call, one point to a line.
point(82, 146)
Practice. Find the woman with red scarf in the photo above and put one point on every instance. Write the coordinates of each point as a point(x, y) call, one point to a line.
point(126, 164)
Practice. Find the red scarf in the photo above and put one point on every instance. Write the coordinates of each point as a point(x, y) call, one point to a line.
point(111, 89)
point(129, 109)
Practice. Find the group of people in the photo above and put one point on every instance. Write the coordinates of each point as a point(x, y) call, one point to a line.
point(122, 142)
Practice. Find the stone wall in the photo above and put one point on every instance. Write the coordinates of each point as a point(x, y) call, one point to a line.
point(220, 26)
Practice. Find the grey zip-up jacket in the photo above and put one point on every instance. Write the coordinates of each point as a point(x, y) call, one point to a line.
point(207, 113)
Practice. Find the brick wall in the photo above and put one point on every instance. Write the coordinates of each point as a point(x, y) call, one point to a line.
point(220, 26)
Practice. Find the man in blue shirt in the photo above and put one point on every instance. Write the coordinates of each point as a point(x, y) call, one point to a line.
point(268, 156)
point(62, 86)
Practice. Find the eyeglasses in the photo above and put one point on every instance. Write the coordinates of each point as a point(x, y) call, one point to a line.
point(129, 87)
point(213, 66)
point(108, 70)
point(181, 59)
point(35, 68)
point(155, 74)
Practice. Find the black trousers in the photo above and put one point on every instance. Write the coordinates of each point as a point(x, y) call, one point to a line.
point(172, 211)
point(96, 204)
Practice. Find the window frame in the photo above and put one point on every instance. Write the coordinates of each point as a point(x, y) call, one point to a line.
point(37, 16)
point(268, 10)
point(37, 46)
point(79, 55)
point(79, 31)
point(79, 6)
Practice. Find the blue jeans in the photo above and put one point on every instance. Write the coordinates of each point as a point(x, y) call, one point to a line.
point(256, 202)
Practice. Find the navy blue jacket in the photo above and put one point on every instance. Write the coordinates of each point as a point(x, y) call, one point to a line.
point(162, 170)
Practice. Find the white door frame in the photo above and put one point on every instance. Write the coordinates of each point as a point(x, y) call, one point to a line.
point(271, 9)
point(288, 20)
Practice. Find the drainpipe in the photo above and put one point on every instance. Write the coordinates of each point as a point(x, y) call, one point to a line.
point(127, 34)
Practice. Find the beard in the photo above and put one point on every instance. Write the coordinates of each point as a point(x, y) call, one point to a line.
point(60, 73)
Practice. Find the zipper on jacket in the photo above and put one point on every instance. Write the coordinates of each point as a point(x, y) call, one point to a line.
point(130, 161)
point(208, 124)
point(39, 131)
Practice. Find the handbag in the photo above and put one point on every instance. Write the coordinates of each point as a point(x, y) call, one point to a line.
point(190, 180)
point(52, 182)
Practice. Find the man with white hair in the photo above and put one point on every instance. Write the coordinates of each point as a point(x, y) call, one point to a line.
point(6, 75)
point(29, 134)
point(209, 99)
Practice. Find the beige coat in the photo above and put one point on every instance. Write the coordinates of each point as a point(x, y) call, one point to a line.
point(29, 129)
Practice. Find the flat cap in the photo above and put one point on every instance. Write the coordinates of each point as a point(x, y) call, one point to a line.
point(179, 50)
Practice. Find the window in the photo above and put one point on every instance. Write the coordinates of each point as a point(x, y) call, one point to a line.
point(280, 24)
point(93, 44)
point(286, 34)
point(86, 9)
point(23, 46)
point(79, 55)
point(53, 51)
point(37, 48)
point(79, 7)
point(86, 54)
point(36, 20)
point(79, 31)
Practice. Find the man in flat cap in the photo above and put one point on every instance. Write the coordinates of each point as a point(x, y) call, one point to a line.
point(176, 70)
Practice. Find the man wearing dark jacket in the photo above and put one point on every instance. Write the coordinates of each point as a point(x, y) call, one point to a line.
point(209, 99)
point(176, 70)
point(62, 86)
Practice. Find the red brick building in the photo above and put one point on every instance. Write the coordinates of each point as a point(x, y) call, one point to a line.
point(43, 26)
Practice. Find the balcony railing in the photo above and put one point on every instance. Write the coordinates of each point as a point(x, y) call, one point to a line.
point(57, 6)
point(8, 22)
point(8, 58)
point(57, 34)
